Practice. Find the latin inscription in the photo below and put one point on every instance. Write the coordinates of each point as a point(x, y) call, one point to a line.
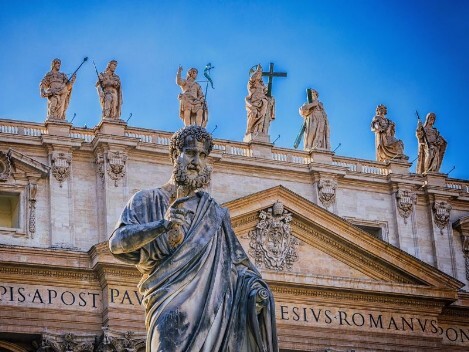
point(372, 320)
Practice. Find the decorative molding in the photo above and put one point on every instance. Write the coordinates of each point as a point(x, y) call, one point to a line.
point(342, 251)
point(326, 191)
point(32, 188)
point(61, 165)
point(128, 341)
point(441, 213)
point(116, 162)
point(67, 342)
point(20, 272)
point(356, 297)
point(272, 244)
point(100, 165)
point(5, 167)
point(405, 203)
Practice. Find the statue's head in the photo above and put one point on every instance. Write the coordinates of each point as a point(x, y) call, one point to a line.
point(55, 64)
point(381, 110)
point(192, 73)
point(430, 118)
point(111, 65)
point(189, 150)
point(314, 93)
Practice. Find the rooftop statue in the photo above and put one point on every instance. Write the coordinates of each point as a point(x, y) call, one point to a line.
point(57, 88)
point(200, 290)
point(432, 146)
point(260, 106)
point(388, 147)
point(316, 126)
point(110, 92)
point(192, 104)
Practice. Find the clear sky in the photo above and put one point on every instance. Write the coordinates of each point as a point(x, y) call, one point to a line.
point(408, 55)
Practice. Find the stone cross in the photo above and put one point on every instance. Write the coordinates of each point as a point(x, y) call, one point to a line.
point(272, 74)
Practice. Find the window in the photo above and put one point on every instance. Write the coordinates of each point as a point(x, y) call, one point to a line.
point(374, 231)
point(9, 210)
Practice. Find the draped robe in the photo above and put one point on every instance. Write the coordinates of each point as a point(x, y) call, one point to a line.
point(200, 296)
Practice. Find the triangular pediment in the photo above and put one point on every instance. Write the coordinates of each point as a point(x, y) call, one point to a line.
point(25, 164)
point(331, 252)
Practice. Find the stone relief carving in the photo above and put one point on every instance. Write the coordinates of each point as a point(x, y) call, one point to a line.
point(432, 146)
point(65, 343)
point(57, 88)
point(110, 92)
point(272, 244)
point(116, 165)
point(405, 203)
point(32, 208)
point(120, 342)
point(5, 167)
point(100, 165)
point(61, 166)
point(326, 190)
point(441, 213)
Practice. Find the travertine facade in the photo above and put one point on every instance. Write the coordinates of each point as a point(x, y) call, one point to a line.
point(400, 285)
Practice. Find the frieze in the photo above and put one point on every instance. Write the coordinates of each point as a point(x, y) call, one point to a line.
point(384, 271)
point(91, 276)
point(272, 244)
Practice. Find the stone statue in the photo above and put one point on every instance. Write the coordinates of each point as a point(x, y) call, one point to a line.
point(193, 108)
point(316, 124)
point(110, 92)
point(388, 147)
point(432, 146)
point(259, 106)
point(57, 88)
point(199, 288)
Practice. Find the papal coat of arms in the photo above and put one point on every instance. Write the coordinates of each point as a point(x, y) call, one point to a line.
point(272, 245)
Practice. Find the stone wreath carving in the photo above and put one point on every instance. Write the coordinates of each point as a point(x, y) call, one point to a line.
point(405, 203)
point(272, 245)
point(326, 189)
point(61, 166)
point(116, 165)
point(441, 213)
point(5, 167)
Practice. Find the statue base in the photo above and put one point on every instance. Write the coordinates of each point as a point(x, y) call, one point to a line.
point(56, 127)
point(256, 137)
point(322, 156)
point(398, 166)
point(114, 127)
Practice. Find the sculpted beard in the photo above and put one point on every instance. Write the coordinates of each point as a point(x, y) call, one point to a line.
point(182, 178)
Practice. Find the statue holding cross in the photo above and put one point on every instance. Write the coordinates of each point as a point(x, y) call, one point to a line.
point(260, 105)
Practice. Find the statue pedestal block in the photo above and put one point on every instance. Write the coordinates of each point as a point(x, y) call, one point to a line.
point(322, 156)
point(436, 179)
point(398, 167)
point(112, 126)
point(58, 127)
point(256, 137)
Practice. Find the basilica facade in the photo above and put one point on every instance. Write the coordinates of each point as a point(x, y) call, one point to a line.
point(360, 255)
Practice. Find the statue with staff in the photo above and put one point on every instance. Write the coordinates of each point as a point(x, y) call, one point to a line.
point(315, 127)
point(57, 87)
point(193, 108)
point(109, 91)
point(432, 145)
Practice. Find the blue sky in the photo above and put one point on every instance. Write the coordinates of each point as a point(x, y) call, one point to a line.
point(408, 55)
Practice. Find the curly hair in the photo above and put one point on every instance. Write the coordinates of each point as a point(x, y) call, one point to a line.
point(179, 137)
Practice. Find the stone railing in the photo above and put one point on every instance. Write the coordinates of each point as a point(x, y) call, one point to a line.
point(22, 128)
point(290, 156)
point(458, 185)
point(362, 166)
point(83, 133)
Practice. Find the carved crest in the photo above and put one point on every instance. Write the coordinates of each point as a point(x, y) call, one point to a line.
point(116, 165)
point(441, 213)
point(5, 167)
point(405, 203)
point(61, 166)
point(272, 245)
point(326, 189)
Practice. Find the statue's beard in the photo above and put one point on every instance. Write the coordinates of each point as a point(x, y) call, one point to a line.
point(183, 178)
